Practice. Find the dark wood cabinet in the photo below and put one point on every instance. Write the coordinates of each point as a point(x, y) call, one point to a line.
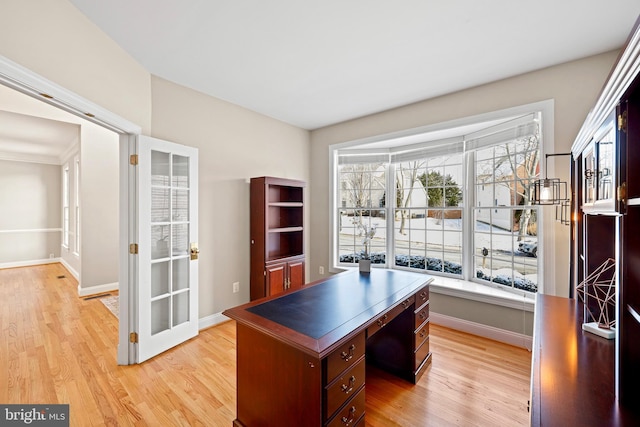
point(284, 275)
point(629, 275)
point(276, 231)
point(606, 218)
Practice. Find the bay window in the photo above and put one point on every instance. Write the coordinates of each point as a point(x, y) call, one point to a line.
point(457, 207)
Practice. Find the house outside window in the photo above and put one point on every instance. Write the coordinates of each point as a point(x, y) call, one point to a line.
point(459, 208)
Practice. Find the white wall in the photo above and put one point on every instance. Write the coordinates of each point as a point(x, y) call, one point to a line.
point(30, 200)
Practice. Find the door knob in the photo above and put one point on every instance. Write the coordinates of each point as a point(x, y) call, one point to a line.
point(194, 251)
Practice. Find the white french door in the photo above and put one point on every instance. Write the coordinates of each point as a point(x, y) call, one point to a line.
point(167, 224)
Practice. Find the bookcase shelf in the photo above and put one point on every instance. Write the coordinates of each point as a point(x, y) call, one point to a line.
point(277, 230)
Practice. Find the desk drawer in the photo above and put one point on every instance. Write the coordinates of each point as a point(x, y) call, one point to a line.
point(421, 314)
point(420, 335)
point(351, 413)
point(344, 357)
point(381, 321)
point(422, 296)
point(421, 353)
point(344, 387)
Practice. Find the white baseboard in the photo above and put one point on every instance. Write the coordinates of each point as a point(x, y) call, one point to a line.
point(496, 334)
point(29, 263)
point(98, 289)
point(214, 319)
point(71, 270)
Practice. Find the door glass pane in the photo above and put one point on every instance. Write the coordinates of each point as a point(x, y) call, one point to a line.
point(180, 239)
point(180, 205)
point(180, 274)
point(180, 171)
point(159, 168)
point(159, 204)
point(160, 241)
point(180, 308)
point(159, 278)
point(159, 315)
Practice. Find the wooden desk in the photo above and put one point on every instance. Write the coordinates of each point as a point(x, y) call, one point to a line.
point(573, 382)
point(301, 355)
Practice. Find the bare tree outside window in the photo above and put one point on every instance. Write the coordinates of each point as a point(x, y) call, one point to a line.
point(407, 174)
point(362, 204)
point(516, 169)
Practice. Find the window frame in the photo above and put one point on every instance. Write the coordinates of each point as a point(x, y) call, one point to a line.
point(66, 196)
point(545, 235)
point(76, 245)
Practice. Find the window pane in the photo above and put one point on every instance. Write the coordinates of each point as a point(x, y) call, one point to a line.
point(505, 229)
point(427, 205)
point(361, 214)
point(424, 239)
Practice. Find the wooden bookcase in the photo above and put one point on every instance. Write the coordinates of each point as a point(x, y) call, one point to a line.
point(606, 217)
point(277, 230)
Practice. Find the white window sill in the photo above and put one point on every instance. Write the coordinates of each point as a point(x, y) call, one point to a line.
point(476, 292)
point(481, 293)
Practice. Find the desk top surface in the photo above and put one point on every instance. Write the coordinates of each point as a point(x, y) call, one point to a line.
point(318, 316)
point(573, 370)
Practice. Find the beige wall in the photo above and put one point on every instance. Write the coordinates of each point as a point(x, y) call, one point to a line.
point(505, 318)
point(573, 87)
point(99, 201)
point(234, 145)
point(30, 199)
point(54, 39)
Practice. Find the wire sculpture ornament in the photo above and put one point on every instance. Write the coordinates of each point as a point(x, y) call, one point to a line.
point(601, 288)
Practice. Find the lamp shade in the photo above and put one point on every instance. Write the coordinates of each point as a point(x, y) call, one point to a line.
point(548, 191)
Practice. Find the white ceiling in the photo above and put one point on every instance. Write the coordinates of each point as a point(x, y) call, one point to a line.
point(312, 64)
point(26, 134)
point(31, 130)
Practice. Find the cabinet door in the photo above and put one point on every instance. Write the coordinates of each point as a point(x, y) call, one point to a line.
point(629, 274)
point(275, 278)
point(296, 274)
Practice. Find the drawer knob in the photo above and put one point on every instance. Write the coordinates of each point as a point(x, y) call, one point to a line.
point(348, 356)
point(423, 295)
point(423, 333)
point(382, 321)
point(346, 389)
point(406, 303)
point(423, 314)
point(347, 421)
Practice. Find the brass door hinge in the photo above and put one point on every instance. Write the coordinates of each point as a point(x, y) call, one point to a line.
point(622, 121)
point(133, 159)
point(133, 249)
point(133, 337)
point(622, 192)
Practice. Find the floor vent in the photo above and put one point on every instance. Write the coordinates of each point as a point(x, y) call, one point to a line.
point(62, 277)
point(96, 296)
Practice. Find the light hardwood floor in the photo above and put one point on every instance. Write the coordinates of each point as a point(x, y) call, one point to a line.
point(58, 348)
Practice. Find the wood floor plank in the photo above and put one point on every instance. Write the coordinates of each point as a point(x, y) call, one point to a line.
point(58, 348)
